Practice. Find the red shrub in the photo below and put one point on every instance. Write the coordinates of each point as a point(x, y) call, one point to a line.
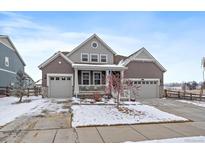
point(96, 97)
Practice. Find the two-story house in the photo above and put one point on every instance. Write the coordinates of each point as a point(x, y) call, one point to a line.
point(83, 70)
point(10, 62)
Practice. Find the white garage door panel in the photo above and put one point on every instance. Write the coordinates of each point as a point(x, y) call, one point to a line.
point(60, 87)
point(148, 89)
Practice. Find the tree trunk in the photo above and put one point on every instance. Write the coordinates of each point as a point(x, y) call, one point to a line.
point(118, 99)
point(20, 100)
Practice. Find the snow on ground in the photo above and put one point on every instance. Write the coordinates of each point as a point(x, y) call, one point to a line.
point(86, 115)
point(10, 110)
point(194, 139)
point(102, 102)
point(198, 103)
point(92, 101)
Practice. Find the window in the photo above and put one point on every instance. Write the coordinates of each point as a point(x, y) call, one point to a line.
point(139, 82)
point(94, 57)
point(63, 78)
point(85, 78)
point(57, 78)
point(103, 58)
point(151, 82)
point(84, 57)
point(6, 62)
point(97, 78)
point(68, 78)
point(94, 44)
point(52, 78)
point(147, 82)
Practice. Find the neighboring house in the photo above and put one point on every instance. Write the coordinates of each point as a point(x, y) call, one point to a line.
point(83, 71)
point(10, 62)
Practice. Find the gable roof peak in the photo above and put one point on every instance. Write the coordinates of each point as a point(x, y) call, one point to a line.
point(54, 56)
point(88, 39)
point(12, 47)
point(143, 48)
point(133, 56)
point(94, 34)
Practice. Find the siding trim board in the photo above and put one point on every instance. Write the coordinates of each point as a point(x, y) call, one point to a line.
point(1, 69)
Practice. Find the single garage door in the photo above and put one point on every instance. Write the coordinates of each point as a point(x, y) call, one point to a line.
point(60, 87)
point(148, 88)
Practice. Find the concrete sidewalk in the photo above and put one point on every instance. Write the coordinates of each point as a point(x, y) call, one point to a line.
point(57, 129)
point(108, 134)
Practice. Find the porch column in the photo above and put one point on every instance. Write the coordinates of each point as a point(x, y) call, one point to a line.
point(76, 88)
point(106, 79)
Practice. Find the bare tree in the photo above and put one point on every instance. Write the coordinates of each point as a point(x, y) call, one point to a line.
point(20, 85)
point(114, 86)
point(133, 89)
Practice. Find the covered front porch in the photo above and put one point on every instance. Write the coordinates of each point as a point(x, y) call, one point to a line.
point(91, 78)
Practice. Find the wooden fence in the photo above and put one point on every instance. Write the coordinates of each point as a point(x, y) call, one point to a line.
point(183, 95)
point(8, 91)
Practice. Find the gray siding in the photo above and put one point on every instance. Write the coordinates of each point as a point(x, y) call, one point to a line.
point(118, 58)
point(87, 48)
point(55, 67)
point(138, 69)
point(6, 42)
point(150, 70)
point(6, 78)
point(15, 65)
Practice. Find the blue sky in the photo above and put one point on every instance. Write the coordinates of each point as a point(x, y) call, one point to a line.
point(175, 39)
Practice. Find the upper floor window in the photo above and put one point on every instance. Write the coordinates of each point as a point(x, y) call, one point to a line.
point(103, 58)
point(6, 62)
point(94, 57)
point(94, 44)
point(84, 57)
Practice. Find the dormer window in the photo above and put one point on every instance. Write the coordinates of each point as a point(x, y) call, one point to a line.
point(84, 57)
point(94, 58)
point(103, 58)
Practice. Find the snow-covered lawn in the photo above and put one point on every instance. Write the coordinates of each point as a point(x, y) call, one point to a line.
point(198, 103)
point(92, 101)
point(131, 113)
point(10, 110)
point(196, 139)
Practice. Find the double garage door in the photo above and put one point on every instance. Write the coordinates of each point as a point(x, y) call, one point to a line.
point(60, 87)
point(148, 88)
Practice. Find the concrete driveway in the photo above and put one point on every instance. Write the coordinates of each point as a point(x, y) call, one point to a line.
point(57, 128)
